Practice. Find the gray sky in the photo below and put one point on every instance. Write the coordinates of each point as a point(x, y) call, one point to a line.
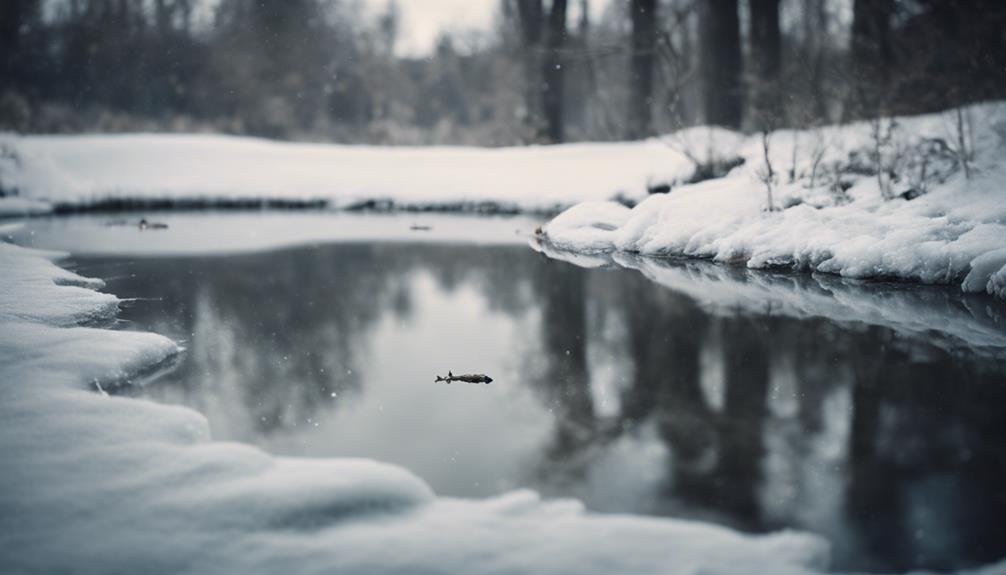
point(422, 20)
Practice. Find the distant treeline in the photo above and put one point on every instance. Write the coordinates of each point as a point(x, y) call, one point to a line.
point(327, 69)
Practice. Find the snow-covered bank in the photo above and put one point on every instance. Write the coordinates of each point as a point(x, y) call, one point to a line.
point(103, 484)
point(80, 172)
point(936, 225)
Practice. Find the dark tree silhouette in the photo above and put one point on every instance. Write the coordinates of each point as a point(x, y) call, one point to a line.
point(721, 63)
point(872, 55)
point(644, 46)
point(766, 56)
point(553, 74)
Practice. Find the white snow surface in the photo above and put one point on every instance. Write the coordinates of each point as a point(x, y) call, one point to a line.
point(955, 231)
point(80, 171)
point(13, 206)
point(100, 484)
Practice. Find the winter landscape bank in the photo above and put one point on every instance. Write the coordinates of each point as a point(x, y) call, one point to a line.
point(90, 468)
point(915, 199)
point(164, 497)
point(880, 200)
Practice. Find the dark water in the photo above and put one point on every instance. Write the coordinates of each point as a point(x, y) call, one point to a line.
point(607, 387)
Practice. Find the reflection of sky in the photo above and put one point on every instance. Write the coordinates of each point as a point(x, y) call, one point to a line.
point(469, 439)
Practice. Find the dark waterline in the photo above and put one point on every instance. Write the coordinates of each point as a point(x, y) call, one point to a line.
point(607, 387)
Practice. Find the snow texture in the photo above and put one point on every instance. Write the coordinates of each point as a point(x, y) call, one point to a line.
point(102, 484)
point(13, 206)
point(142, 170)
point(833, 217)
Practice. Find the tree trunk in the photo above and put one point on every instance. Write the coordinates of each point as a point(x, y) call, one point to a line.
point(766, 53)
point(872, 55)
point(721, 63)
point(644, 46)
point(529, 13)
point(553, 72)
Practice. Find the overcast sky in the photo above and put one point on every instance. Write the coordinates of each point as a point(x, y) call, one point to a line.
point(423, 20)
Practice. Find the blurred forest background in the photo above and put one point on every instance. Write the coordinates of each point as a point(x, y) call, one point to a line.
point(327, 70)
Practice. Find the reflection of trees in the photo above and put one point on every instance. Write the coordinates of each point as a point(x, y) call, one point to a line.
point(742, 422)
point(920, 417)
point(296, 322)
point(563, 383)
point(286, 329)
point(924, 426)
point(925, 439)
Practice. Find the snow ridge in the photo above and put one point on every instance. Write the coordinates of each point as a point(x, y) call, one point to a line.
point(146, 171)
point(940, 228)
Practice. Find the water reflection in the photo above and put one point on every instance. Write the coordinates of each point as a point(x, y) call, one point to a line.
point(682, 399)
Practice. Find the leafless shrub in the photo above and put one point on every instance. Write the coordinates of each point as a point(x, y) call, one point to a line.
point(816, 156)
point(886, 153)
point(8, 159)
point(766, 174)
point(793, 157)
point(709, 163)
point(929, 161)
point(964, 147)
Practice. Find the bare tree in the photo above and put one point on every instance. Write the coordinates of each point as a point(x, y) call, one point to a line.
point(766, 55)
point(543, 35)
point(872, 55)
point(529, 16)
point(644, 46)
point(553, 74)
point(721, 63)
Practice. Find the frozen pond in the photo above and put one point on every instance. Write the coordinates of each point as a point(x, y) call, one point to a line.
point(870, 415)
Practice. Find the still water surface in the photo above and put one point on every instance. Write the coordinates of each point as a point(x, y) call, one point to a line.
point(608, 387)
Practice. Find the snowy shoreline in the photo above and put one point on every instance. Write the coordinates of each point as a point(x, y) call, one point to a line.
point(924, 221)
point(165, 498)
point(166, 171)
point(935, 225)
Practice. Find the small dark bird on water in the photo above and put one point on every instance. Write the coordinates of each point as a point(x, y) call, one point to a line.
point(467, 378)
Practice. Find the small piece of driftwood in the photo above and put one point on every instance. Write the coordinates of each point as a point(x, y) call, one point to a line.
point(467, 378)
point(145, 225)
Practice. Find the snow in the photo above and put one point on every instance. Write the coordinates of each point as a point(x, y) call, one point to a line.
point(13, 206)
point(988, 273)
point(833, 215)
point(208, 170)
point(97, 483)
point(943, 236)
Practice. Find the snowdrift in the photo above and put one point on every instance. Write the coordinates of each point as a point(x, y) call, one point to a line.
point(930, 224)
point(68, 173)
